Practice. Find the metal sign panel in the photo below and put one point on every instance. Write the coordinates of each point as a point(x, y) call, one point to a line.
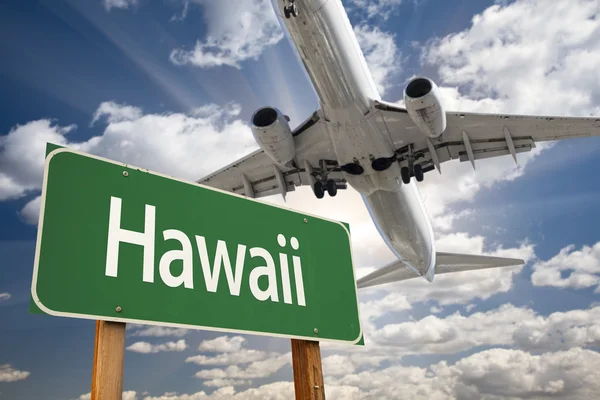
point(120, 243)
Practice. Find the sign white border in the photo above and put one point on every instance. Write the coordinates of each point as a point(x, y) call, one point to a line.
point(139, 321)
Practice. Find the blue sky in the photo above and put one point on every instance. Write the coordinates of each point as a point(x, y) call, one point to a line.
point(101, 76)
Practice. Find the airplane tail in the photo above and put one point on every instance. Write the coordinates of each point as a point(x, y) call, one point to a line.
point(445, 263)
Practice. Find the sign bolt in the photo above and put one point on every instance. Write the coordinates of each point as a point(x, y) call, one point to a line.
point(118, 309)
point(305, 221)
point(316, 330)
point(125, 173)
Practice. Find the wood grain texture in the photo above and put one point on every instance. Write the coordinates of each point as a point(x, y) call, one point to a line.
point(308, 370)
point(109, 352)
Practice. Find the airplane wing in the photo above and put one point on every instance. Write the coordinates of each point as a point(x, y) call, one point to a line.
point(473, 136)
point(445, 263)
point(256, 175)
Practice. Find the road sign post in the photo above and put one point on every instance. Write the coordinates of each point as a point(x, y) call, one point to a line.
point(109, 353)
point(308, 370)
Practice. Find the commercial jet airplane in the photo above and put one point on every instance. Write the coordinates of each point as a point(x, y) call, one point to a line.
point(377, 147)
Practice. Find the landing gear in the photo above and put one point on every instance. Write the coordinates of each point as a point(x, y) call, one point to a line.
point(418, 172)
point(413, 169)
point(331, 188)
point(320, 181)
point(405, 172)
point(291, 10)
point(318, 190)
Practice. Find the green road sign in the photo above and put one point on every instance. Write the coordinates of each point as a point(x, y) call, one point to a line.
point(119, 243)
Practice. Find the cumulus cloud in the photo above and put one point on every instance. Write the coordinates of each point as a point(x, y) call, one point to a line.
point(161, 331)
point(234, 34)
point(381, 54)
point(226, 382)
point(127, 395)
point(222, 344)
point(492, 374)
point(122, 4)
point(114, 112)
point(582, 268)
point(255, 370)
point(147, 348)
point(9, 374)
point(375, 8)
point(5, 296)
point(526, 57)
point(336, 365)
point(271, 391)
point(242, 356)
point(508, 326)
point(150, 141)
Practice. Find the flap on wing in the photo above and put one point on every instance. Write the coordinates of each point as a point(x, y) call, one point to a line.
point(472, 136)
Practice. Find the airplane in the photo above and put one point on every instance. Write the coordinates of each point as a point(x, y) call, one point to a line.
point(377, 147)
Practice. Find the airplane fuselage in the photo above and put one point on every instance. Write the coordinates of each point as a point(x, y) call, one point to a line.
point(326, 44)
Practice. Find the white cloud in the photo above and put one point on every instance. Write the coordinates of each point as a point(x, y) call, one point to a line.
point(242, 356)
point(435, 310)
point(116, 112)
point(127, 395)
point(150, 141)
point(507, 325)
point(5, 296)
point(122, 4)
point(147, 348)
point(22, 156)
point(31, 212)
point(528, 57)
point(336, 365)
point(161, 331)
point(222, 344)
point(582, 268)
point(491, 374)
point(9, 374)
point(255, 370)
point(226, 382)
point(235, 34)
point(375, 8)
point(271, 391)
point(381, 54)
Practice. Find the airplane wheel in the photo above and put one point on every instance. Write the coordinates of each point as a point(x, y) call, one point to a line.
point(318, 190)
point(286, 12)
point(294, 10)
point(331, 188)
point(418, 172)
point(405, 173)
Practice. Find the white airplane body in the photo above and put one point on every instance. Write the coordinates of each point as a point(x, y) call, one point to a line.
point(376, 147)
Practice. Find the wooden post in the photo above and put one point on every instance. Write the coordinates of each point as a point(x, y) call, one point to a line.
point(308, 370)
point(109, 352)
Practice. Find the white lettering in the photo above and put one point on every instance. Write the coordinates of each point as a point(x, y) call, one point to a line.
point(269, 271)
point(185, 254)
point(117, 235)
point(299, 281)
point(285, 278)
point(221, 257)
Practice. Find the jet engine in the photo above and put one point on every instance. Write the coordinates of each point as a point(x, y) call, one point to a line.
point(422, 100)
point(273, 134)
